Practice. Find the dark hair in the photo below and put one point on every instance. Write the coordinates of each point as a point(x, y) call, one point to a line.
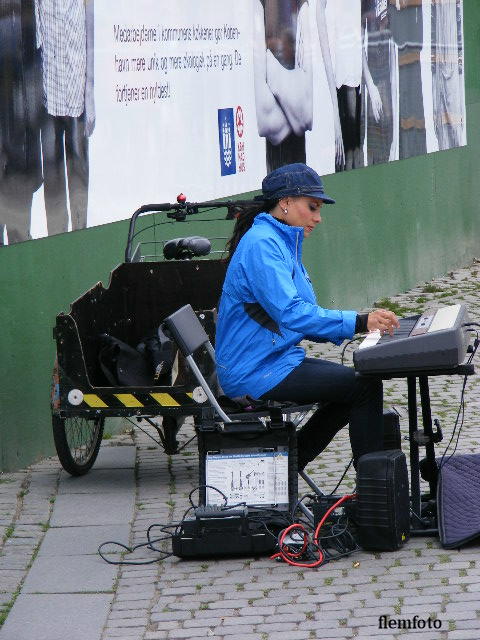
point(245, 216)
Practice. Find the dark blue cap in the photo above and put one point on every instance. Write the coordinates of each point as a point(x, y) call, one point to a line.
point(294, 180)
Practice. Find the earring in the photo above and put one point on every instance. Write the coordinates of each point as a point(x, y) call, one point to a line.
point(285, 211)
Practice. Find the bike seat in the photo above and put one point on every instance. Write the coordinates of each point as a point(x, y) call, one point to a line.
point(186, 248)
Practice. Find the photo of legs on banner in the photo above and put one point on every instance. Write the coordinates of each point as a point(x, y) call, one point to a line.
point(380, 51)
point(283, 79)
point(339, 33)
point(408, 34)
point(65, 38)
point(20, 160)
point(447, 73)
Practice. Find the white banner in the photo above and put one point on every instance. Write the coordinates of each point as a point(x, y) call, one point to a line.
point(139, 101)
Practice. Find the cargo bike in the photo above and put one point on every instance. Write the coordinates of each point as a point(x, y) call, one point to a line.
point(157, 278)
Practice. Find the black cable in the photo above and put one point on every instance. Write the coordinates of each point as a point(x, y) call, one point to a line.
point(342, 477)
point(476, 342)
point(335, 541)
point(269, 519)
point(461, 410)
point(348, 344)
point(206, 486)
point(340, 537)
point(150, 544)
point(147, 545)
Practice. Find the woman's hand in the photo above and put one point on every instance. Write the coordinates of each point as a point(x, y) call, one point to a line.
point(384, 320)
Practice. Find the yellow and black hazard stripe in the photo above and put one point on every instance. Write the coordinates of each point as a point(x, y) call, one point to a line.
point(137, 400)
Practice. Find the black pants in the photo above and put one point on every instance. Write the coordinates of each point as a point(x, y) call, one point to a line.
point(15, 204)
point(350, 111)
point(65, 161)
point(346, 397)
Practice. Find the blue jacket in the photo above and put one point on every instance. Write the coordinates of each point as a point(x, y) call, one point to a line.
point(267, 307)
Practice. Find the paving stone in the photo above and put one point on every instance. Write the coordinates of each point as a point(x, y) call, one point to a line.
point(467, 624)
point(253, 620)
point(171, 615)
point(362, 633)
point(116, 458)
point(124, 634)
point(210, 621)
point(68, 541)
point(56, 617)
point(207, 613)
point(191, 633)
point(97, 481)
point(241, 636)
point(92, 509)
point(74, 574)
point(289, 635)
point(123, 606)
point(233, 630)
point(126, 623)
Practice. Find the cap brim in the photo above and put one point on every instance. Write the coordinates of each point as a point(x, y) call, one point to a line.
point(320, 195)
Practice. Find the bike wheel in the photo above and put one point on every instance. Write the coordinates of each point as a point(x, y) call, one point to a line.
point(77, 441)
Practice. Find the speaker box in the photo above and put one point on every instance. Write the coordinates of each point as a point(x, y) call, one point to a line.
point(392, 437)
point(383, 504)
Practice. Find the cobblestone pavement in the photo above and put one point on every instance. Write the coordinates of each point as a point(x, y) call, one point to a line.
point(248, 598)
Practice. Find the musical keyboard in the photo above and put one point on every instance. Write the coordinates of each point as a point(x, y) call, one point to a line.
point(436, 339)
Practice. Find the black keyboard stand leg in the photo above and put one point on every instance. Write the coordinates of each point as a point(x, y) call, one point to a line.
point(316, 490)
point(414, 457)
point(311, 483)
point(423, 521)
point(428, 435)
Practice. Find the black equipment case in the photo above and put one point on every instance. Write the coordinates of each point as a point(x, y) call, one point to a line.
point(257, 460)
point(253, 463)
point(383, 507)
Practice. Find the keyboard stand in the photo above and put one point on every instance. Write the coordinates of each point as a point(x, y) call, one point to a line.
point(424, 513)
point(423, 519)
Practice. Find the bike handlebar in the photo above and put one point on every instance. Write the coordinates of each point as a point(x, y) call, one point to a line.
point(179, 211)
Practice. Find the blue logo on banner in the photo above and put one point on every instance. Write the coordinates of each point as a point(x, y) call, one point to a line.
point(226, 139)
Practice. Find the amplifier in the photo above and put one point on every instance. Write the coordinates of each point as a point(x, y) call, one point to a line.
point(383, 506)
point(216, 532)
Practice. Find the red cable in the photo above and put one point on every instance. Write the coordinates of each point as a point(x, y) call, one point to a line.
point(289, 556)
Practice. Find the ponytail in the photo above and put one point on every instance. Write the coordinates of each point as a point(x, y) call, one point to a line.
point(245, 216)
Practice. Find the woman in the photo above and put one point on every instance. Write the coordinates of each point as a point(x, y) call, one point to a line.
point(268, 306)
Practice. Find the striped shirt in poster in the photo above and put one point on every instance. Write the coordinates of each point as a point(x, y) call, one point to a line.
point(61, 35)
